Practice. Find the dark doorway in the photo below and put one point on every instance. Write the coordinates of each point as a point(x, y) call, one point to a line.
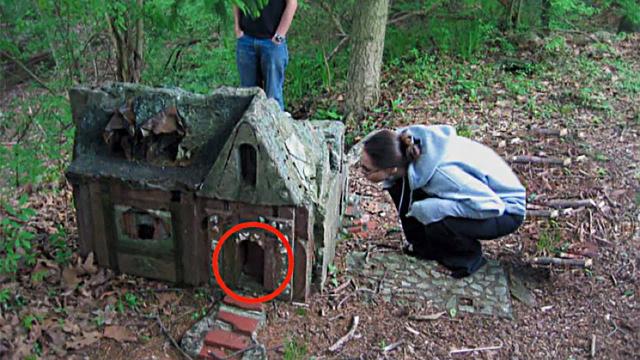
point(252, 261)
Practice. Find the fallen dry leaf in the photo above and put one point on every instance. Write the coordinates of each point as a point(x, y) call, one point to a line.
point(84, 340)
point(99, 278)
point(119, 333)
point(168, 298)
point(71, 328)
point(56, 336)
point(89, 265)
point(70, 278)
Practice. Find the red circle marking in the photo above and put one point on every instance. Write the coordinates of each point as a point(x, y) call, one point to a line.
point(216, 253)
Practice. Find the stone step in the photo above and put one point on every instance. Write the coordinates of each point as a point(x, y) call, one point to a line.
point(208, 353)
point(242, 324)
point(247, 306)
point(226, 339)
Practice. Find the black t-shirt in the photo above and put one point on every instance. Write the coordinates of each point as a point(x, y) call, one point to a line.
point(265, 26)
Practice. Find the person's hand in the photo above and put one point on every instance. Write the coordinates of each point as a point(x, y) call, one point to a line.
point(277, 39)
point(239, 33)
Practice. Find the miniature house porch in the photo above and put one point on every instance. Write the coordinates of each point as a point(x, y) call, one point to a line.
point(160, 174)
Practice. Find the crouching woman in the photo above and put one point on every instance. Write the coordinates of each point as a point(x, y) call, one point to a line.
point(450, 192)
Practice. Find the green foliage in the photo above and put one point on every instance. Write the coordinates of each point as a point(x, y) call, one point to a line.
point(459, 28)
point(28, 321)
point(549, 238)
point(301, 311)
point(41, 151)
point(556, 44)
point(61, 249)
point(128, 300)
point(294, 350)
point(464, 130)
point(15, 241)
point(327, 114)
point(566, 13)
point(5, 296)
point(631, 10)
point(333, 274)
point(199, 314)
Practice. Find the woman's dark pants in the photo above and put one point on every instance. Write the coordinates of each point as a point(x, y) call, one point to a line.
point(452, 241)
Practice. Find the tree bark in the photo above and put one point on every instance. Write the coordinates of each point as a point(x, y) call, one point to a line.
point(129, 43)
point(367, 46)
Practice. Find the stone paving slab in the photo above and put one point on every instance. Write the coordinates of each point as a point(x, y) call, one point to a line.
point(408, 281)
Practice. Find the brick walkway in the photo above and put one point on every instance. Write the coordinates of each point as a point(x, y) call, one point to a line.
point(229, 328)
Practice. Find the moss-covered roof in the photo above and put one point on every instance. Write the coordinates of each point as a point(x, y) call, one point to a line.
point(293, 156)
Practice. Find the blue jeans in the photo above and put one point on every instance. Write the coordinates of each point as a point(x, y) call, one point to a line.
point(262, 63)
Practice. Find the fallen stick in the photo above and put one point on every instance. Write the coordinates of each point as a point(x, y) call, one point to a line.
point(543, 213)
point(581, 263)
point(435, 316)
point(392, 346)
point(239, 352)
point(343, 300)
point(468, 350)
point(384, 275)
point(347, 337)
point(341, 287)
point(550, 132)
point(526, 159)
point(593, 346)
point(412, 330)
point(564, 203)
point(171, 339)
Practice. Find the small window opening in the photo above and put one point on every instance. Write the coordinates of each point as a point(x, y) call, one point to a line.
point(145, 231)
point(252, 261)
point(142, 225)
point(248, 164)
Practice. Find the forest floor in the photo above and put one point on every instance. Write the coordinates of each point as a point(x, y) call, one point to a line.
point(586, 91)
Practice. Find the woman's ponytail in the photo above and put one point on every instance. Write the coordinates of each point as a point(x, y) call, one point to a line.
point(410, 150)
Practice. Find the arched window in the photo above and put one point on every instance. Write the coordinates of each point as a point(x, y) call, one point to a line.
point(248, 164)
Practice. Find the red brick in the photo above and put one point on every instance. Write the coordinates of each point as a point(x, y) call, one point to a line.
point(355, 229)
point(208, 353)
point(371, 225)
point(243, 324)
point(350, 211)
point(243, 305)
point(226, 339)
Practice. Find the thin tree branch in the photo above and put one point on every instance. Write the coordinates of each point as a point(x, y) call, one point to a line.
point(338, 47)
point(173, 341)
point(26, 69)
point(405, 16)
point(334, 18)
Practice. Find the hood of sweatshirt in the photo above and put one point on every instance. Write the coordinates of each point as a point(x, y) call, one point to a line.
point(428, 137)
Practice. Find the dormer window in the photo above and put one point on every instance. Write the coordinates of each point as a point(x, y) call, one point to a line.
point(248, 164)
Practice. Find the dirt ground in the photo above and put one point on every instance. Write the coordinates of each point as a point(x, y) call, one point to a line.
point(578, 313)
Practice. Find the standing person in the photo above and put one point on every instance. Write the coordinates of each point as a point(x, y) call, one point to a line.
point(450, 192)
point(261, 53)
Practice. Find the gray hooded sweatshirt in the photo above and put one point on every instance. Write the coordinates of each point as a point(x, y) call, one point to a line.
point(463, 178)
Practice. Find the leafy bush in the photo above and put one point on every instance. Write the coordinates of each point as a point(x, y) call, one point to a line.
point(15, 240)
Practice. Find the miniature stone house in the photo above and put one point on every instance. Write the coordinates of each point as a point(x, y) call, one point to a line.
point(160, 174)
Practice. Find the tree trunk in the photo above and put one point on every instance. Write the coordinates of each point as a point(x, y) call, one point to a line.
point(367, 41)
point(128, 42)
point(545, 15)
point(138, 49)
